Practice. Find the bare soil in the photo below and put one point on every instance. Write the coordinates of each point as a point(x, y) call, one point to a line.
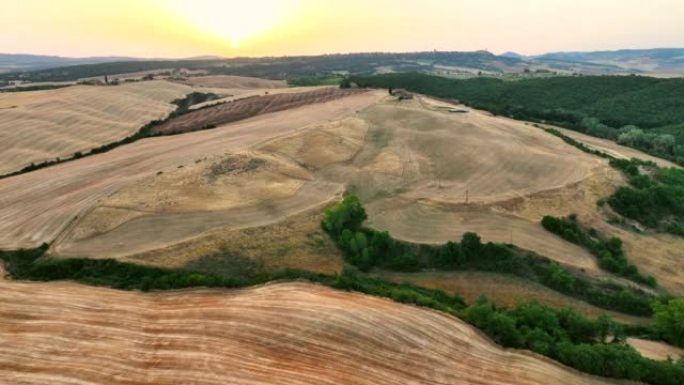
point(246, 108)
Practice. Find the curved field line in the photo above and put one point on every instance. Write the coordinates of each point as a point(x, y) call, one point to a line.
point(57, 123)
point(285, 334)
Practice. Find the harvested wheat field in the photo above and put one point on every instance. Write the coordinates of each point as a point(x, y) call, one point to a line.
point(656, 350)
point(288, 333)
point(614, 149)
point(36, 126)
point(232, 82)
point(39, 205)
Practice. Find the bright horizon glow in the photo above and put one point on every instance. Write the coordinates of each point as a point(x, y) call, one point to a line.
point(229, 28)
point(231, 22)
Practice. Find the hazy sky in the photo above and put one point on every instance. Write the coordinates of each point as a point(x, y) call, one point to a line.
point(183, 28)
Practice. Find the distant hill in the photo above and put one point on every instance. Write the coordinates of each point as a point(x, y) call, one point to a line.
point(24, 62)
point(658, 61)
point(445, 63)
point(512, 54)
point(455, 64)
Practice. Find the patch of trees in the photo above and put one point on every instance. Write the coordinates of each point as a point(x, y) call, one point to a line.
point(366, 248)
point(669, 320)
point(183, 105)
point(654, 198)
point(568, 337)
point(612, 107)
point(574, 143)
point(608, 251)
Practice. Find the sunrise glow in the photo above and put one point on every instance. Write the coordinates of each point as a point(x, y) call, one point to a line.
point(184, 28)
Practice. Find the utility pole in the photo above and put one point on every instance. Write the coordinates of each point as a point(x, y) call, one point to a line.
point(466, 196)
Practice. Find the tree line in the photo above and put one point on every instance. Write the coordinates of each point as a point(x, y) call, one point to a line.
point(366, 248)
point(608, 251)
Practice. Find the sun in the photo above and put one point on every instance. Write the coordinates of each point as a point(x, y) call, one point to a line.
point(234, 21)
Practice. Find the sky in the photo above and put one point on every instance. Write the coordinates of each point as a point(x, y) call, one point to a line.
point(188, 28)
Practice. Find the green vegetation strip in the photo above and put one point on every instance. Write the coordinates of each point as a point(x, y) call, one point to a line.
point(367, 248)
point(563, 335)
point(609, 251)
point(655, 197)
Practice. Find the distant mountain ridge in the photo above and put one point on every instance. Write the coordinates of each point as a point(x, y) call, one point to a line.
point(663, 61)
point(28, 62)
point(652, 62)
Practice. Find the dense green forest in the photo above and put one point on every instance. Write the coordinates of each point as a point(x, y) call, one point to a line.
point(367, 248)
point(640, 112)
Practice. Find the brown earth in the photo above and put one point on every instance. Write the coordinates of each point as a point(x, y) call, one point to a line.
point(246, 108)
point(286, 334)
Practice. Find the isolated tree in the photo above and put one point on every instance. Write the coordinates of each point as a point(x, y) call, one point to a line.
point(471, 245)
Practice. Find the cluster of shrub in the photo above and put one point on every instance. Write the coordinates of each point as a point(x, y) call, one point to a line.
point(609, 251)
point(592, 104)
point(568, 337)
point(654, 198)
point(660, 144)
point(183, 104)
point(367, 248)
point(574, 142)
